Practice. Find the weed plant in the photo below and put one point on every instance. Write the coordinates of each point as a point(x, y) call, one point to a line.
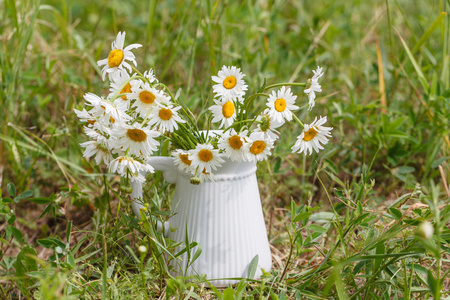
point(342, 225)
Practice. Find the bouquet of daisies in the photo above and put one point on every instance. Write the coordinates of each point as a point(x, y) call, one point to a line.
point(140, 114)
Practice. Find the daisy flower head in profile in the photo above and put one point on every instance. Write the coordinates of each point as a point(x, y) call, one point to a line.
point(146, 97)
point(236, 145)
point(224, 112)
point(122, 164)
point(230, 83)
point(118, 56)
point(314, 87)
point(260, 146)
point(268, 125)
point(99, 150)
point(166, 118)
point(181, 160)
point(312, 136)
point(102, 109)
point(205, 157)
point(280, 104)
point(150, 76)
point(206, 176)
point(136, 139)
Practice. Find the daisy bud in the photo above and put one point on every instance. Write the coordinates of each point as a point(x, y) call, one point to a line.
point(425, 230)
point(142, 249)
point(195, 180)
point(126, 189)
point(265, 123)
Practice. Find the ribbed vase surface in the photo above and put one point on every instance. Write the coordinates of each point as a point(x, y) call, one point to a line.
point(224, 216)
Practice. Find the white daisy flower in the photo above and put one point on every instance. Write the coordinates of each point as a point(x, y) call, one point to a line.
point(85, 116)
point(206, 176)
point(205, 157)
point(268, 125)
point(312, 136)
point(236, 146)
point(102, 109)
point(139, 141)
point(281, 103)
point(224, 112)
point(166, 118)
point(136, 177)
point(100, 150)
point(314, 87)
point(229, 83)
point(122, 164)
point(181, 160)
point(260, 146)
point(150, 76)
point(146, 97)
point(92, 122)
point(118, 56)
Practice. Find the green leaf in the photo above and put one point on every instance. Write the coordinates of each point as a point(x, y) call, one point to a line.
point(228, 294)
point(252, 267)
point(419, 72)
point(317, 228)
point(428, 32)
point(439, 162)
point(40, 200)
point(24, 264)
point(302, 216)
point(51, 242)
point(395, 213)
point(68, 231)
point(24, 195)
point(11, 188)
point(16, 233)
point(432, 283)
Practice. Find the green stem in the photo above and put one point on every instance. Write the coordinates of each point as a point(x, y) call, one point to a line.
point(285, 84)
point(298, 120)
point(240, 122)
point(117, 93)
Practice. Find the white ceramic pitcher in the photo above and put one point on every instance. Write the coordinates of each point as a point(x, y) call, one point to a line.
point(224, 216)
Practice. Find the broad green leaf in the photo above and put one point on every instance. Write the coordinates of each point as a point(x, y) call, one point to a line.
point(395, 213)
point(302, 216)
point(432, 283)
point(11, 188)
point(252, 267)
point(24, 195)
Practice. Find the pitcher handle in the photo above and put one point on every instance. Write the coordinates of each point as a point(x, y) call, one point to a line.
point(160, 163)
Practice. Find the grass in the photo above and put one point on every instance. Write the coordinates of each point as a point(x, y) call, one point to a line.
point(342, 224)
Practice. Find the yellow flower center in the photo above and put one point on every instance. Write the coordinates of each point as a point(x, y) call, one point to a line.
point(229, 82)
point(165, 114)
point(112, 120)
point(310, 134)
point(115, 57)
point(147, 97)
point(126, 90)
point(258, 147)
point(235, 142)
point(228, 109)
point(91, 121)
point(205, 155)
point(280, 105)
point(204, 171)
point(136, 135)
point(185, 159)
